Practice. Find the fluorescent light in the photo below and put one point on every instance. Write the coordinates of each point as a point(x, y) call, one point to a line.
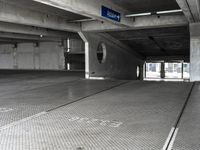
point(138, 15)
point(169, 11)
point(68, 45)
point(68, 66)
point(158, 13)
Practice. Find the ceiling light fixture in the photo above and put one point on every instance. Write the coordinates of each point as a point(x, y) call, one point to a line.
point(169, 11)
point(138, 15)
point(156, 13)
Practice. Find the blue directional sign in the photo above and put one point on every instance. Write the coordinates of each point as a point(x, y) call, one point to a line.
point(110, 14)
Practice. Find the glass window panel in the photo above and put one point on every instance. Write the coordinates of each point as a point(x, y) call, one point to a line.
point(153, 70)
point(173, 70)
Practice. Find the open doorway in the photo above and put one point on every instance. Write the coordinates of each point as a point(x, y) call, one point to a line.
point(75, 55)
point(172, 71)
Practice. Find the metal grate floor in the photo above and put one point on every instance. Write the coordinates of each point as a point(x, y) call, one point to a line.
point(188, 137)
point(134, 116)
point(21, 99)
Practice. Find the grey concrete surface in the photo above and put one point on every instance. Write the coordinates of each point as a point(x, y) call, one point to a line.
point(9, 77)
point(134, 116)
point(18, 81)
point(29, 96)
point(47, 55)
point(169, 41)
point(120, 61)
point(47, 9)
point(188, 136)
point(16, 13)
point(195, 52)
point(190, 9)
point(143, 6)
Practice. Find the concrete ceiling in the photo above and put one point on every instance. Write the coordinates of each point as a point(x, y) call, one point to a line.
point(147, 42)
point(140, 6)
point(30, 4)
point(32, 33)
point(172, 41)
point(49, 36)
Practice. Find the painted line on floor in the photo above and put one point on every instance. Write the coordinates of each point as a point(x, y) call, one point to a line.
point(45, 112)
point(5, 110)
point(92, 121)
point(22, 121)
point(168, 139)
point(173, 140)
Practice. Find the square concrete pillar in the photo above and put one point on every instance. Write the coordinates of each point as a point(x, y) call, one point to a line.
point(195, 52)
point(162, 72)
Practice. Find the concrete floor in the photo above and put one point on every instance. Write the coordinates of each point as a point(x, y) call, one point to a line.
point(59, 110)
point(188, 137)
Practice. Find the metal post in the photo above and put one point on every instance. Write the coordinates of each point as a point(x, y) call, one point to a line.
point(182, 70)
point(162, 72)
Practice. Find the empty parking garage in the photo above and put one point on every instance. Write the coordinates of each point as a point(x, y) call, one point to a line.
point(99, 75)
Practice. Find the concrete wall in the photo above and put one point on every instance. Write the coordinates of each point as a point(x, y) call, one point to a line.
point(47, 55)
point(120, 63)
point(195, 52)
point(6, 56)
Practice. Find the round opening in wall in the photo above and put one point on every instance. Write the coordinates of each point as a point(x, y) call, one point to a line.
point(101, 53)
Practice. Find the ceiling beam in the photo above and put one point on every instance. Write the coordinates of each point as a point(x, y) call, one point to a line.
point(143, 22)
point(90, 8)
point(24, 37)
point(20, 15)
point(191, 9)
point(17, 41)
point(167, 58)
point(22, 29)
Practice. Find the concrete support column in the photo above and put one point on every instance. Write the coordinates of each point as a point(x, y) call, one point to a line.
point(36, 56)
point(15, 62)
point(142, 72)
point(162, 72)
point(182, 70)
point(87, 58)
point(195, 52)
point(61, 58)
